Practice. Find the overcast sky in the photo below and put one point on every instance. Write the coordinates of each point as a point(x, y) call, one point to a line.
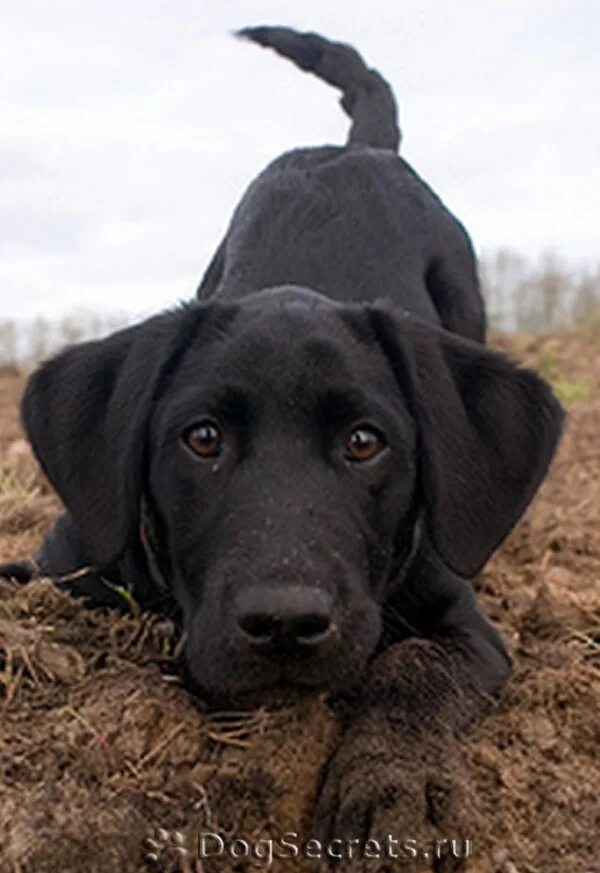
point(131, 127)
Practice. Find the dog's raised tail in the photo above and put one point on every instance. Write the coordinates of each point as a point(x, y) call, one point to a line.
point(366, 97)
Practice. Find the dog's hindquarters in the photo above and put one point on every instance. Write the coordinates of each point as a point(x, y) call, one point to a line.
point(366, 97)
point(356, 224)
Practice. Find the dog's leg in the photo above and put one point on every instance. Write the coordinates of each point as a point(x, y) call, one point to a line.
point(420, 695)
point(63, 559)
point(453, 284)
point(62, 554)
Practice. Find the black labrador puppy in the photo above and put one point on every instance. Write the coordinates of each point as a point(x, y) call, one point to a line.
point(313, 458)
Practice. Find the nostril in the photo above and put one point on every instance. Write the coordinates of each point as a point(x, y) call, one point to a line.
point(311, 629)
point(260, 627)
point(266, 630)
point(285, 619)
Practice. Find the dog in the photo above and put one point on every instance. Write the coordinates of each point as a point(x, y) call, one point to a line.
point(313, 458)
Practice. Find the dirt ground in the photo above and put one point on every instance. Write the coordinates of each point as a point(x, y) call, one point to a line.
point(100, 745)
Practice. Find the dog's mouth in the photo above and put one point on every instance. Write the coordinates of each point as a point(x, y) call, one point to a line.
point(266, 691)
point(259, 680)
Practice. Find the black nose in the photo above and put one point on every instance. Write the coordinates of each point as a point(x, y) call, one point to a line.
point(273, 620)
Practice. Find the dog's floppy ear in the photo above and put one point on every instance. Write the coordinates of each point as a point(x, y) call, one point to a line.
point(487, 431)
point(85, 413)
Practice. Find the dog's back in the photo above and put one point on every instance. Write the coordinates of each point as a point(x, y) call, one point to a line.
point(354, 222)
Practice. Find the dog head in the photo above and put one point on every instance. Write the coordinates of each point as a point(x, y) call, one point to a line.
point(285, 446)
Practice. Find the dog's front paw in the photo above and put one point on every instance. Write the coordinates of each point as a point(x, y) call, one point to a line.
point(20, 571)
point(388, 799)
point(369, 791)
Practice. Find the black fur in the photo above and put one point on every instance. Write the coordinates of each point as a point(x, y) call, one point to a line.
point(343, 294)
point(469, 437)
point(366, 96)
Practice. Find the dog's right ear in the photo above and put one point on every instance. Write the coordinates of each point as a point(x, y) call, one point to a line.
point(86, 413)
point(488, 430)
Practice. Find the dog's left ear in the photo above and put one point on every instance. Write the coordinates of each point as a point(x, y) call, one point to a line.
point(86, 413)
point(488, 430)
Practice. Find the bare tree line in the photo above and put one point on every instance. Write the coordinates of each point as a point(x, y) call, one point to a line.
point(522, 296)
point(543, 296)
point(28, 341)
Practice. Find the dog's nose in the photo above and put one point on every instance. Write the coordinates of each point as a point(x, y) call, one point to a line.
point(272, 620)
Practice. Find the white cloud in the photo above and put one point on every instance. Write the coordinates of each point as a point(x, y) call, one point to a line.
point(131, 128)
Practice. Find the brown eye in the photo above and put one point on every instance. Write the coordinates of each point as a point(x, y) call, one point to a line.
point(205, 439)
point(363, 444)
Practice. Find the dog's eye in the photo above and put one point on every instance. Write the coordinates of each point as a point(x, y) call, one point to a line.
point(205, 439)
point(363, 444)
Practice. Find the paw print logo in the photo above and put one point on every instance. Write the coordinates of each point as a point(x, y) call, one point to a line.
point(165, 851)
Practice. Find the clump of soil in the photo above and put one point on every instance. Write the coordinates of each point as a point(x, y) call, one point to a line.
point(100, 744)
